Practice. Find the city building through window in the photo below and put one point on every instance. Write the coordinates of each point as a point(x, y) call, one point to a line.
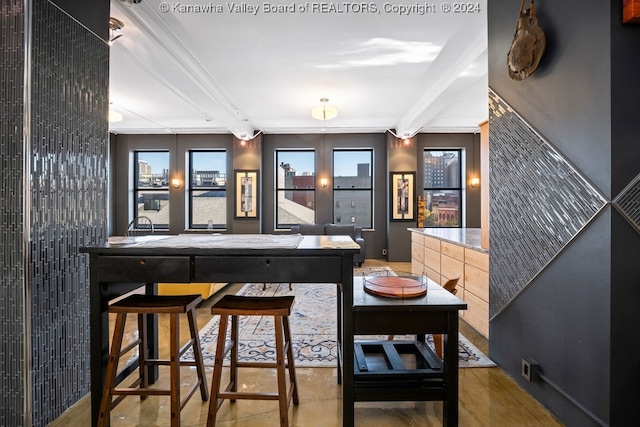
point(442, 188)
point(353, 187)
point(295, 188)
point(151, 187)
point(207, 190)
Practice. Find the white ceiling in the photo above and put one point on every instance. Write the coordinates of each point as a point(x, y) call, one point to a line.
point(211, 72)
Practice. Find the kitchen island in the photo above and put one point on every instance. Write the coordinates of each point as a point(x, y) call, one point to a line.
point(446, 253)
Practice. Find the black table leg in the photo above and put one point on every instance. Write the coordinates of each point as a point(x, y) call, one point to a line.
point(450, 405)
point(348, 380)
point(152, 335)
point(99, 346)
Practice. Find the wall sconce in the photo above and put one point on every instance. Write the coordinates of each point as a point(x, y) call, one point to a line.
point(475, 182)
point(324, 182)
point(175, 183)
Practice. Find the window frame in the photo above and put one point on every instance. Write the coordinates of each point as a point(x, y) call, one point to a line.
point(151, 189)
point(369, 189)
point(284, 226)
point(459, 188)
point(190, 189)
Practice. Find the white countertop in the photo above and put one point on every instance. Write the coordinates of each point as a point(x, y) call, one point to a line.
point(467, 237)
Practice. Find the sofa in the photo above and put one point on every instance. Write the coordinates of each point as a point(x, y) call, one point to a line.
point(334, 229)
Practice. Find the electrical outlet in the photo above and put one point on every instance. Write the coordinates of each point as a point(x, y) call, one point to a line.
point(384, 252)
point(529, 369)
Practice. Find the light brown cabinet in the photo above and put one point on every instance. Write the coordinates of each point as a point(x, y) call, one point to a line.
point(442, 260)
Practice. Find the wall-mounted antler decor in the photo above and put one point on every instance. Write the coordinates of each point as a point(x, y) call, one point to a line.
point(528, 44)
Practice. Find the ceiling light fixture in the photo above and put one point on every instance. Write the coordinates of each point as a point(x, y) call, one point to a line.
point(115, 25)
point(324, 111)
point(114, 116)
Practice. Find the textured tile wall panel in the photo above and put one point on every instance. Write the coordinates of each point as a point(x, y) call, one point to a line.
point(538, 203)
point(67, 183)
point(68, 205)
point(12, 371)
point(628, 203)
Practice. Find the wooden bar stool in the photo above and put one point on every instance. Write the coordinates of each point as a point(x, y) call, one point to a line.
point(234, 306)
point(153, 304)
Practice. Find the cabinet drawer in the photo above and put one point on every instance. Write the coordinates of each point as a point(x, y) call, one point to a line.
point(141, 269)
point(432, 259)
point(417, 238)
point(451, 268)
point(432, 243)
point(433, 275)
point(417, 251)
point(477, 259)
point(260, 269)
point(417, 268)
point(477, 313)
point(477, 282)
point(452, 250)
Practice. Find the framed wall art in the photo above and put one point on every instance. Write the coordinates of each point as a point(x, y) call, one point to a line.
point(246, 194)
point(403, 193)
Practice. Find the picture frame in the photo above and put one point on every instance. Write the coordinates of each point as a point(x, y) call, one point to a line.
point(402, 186)
point(247, 185)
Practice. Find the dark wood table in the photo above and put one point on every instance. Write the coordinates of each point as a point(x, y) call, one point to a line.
point(429, 378)
point(116, 269)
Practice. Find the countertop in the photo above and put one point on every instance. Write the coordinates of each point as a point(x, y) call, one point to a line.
point(467, 237)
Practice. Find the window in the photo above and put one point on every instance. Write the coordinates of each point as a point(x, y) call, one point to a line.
point(151, 187)
point(353, 187)
point(207, 193)
point(442, 188)
point(295, 188)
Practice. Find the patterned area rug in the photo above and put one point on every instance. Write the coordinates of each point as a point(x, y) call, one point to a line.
point(313, 328)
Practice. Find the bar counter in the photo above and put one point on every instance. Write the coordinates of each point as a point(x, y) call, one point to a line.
point(446, 253)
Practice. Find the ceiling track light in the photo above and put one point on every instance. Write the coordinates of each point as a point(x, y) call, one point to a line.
point(404, 136)
point(323, 111)
point(244, 138)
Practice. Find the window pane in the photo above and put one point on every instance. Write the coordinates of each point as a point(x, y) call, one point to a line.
point(296, 169)
point(207, 190)
point(352, 169)
point(152, 169)
point(352, 207)
point(295, 188)
point(296, 207)
point(209, 209)
point(208, 168)
point(442, 208)
point(442, 188)
point(155, 205)
point(151, 187)
point(441, 169)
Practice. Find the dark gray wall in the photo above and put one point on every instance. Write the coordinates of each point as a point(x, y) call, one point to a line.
point(178, 147)
point(410, 157)
point(403, 157)
point(574, 316)
point(375, 239)
point(259, 153)
point(54, 157)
